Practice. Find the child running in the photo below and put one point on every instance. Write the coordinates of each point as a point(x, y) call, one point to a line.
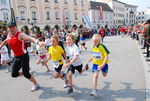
point(42, 54)
point(100, 58)
point(74, 62)
point(56, 53)
point(82, 43)
point(4, 56)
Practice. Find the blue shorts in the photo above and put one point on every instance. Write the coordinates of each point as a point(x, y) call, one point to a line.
point(104, 70)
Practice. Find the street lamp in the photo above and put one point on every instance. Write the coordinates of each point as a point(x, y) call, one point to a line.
point(32, 23)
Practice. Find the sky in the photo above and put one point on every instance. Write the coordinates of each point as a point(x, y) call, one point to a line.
point(142, 4)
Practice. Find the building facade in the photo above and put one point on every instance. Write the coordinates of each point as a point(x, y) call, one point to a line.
point(142, 16)
point(130, 15)
point(5, 11)
point(119, 11)
point(60, 13)
point(95, 17)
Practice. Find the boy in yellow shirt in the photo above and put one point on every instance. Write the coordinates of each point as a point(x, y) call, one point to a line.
point(100, 59)
point(55, 54)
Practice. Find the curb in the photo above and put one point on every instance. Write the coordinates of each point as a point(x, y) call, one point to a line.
point(147, 74)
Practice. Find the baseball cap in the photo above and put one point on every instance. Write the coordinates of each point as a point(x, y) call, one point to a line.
point(11, 24)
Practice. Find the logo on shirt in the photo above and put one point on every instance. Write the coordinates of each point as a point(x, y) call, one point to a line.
point(97, 55)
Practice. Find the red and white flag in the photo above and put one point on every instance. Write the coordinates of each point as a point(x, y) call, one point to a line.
point(101, 12)
point(63, 17)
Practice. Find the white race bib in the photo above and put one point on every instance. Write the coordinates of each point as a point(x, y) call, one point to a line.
point(55, 64)
point(97, 55)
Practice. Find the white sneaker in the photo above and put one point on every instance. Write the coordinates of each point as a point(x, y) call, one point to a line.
point(66, 85)
point(8, 70)
point(93, 93)
point(35, 87)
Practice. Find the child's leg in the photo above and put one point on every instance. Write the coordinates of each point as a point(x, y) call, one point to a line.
point(85, 68)
point(58, 75)
point(44, 62)
point(105, 70)
point(38, 60)
point(95, 79)
point(70, 78)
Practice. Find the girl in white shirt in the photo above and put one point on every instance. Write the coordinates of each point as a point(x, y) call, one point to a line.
point(42, 54)
point(4, 56)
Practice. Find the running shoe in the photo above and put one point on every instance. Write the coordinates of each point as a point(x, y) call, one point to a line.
point(70, 90)
point(35, 87)
point(93, 93)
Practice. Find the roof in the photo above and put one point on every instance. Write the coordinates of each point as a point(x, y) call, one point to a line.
point(119, 1)
point(96, 5)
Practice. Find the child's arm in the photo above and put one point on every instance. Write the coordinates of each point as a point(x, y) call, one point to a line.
point(90, 59)
point(49, 57)
point(65, 56)
point(104, 62)
point(3, 43)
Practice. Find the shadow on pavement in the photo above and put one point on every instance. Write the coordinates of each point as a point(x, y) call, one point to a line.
point(104, 94)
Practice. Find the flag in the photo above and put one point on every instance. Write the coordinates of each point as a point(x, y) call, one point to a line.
point(87, 21)
point(101, 12)
point(63, 17)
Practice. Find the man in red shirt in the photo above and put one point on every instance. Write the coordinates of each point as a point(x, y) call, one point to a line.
point(122, 31)
point(16, 41)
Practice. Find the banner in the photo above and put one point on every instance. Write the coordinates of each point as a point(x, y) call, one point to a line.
point(87, 21)
point(101, 12)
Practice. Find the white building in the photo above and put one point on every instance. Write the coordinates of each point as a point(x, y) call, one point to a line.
point(142, 16)
point(107, 15)
point(130, 15)
point(50, 13)
point(5, 11)
point(119, 10)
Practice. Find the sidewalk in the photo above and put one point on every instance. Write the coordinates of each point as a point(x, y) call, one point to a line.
point(146, 66)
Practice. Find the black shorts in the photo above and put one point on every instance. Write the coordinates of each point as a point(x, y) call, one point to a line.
point(78, 68)
point(83, 44)
point(21, 62)
point(59, 68)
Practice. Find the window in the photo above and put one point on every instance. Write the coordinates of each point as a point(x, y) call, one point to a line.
point(142, 12)
point(46, 0)
point(47, 15)
point(32, 0)
point(22, 15)
point(66, 15)
point(5, 16)
point(142, 17)
point(56, 1)
point(3, 2)
point(57, 15)
point(34, 15)
point(75, 2)
point(76, 16)
point(139, 17)
point(82, 2)
point(65, 1)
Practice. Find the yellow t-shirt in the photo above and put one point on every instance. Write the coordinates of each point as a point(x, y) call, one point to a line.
point(56, 53)
point(99, 54)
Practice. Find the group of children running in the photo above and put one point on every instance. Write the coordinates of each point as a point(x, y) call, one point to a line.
point(73, 62)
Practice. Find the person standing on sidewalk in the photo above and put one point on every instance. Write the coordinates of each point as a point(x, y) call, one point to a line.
point(146, 35)
point(16, 41)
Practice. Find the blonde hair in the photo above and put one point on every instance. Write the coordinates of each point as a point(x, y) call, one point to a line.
point(96, 36)
point(55, 37)
point(70, 35)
